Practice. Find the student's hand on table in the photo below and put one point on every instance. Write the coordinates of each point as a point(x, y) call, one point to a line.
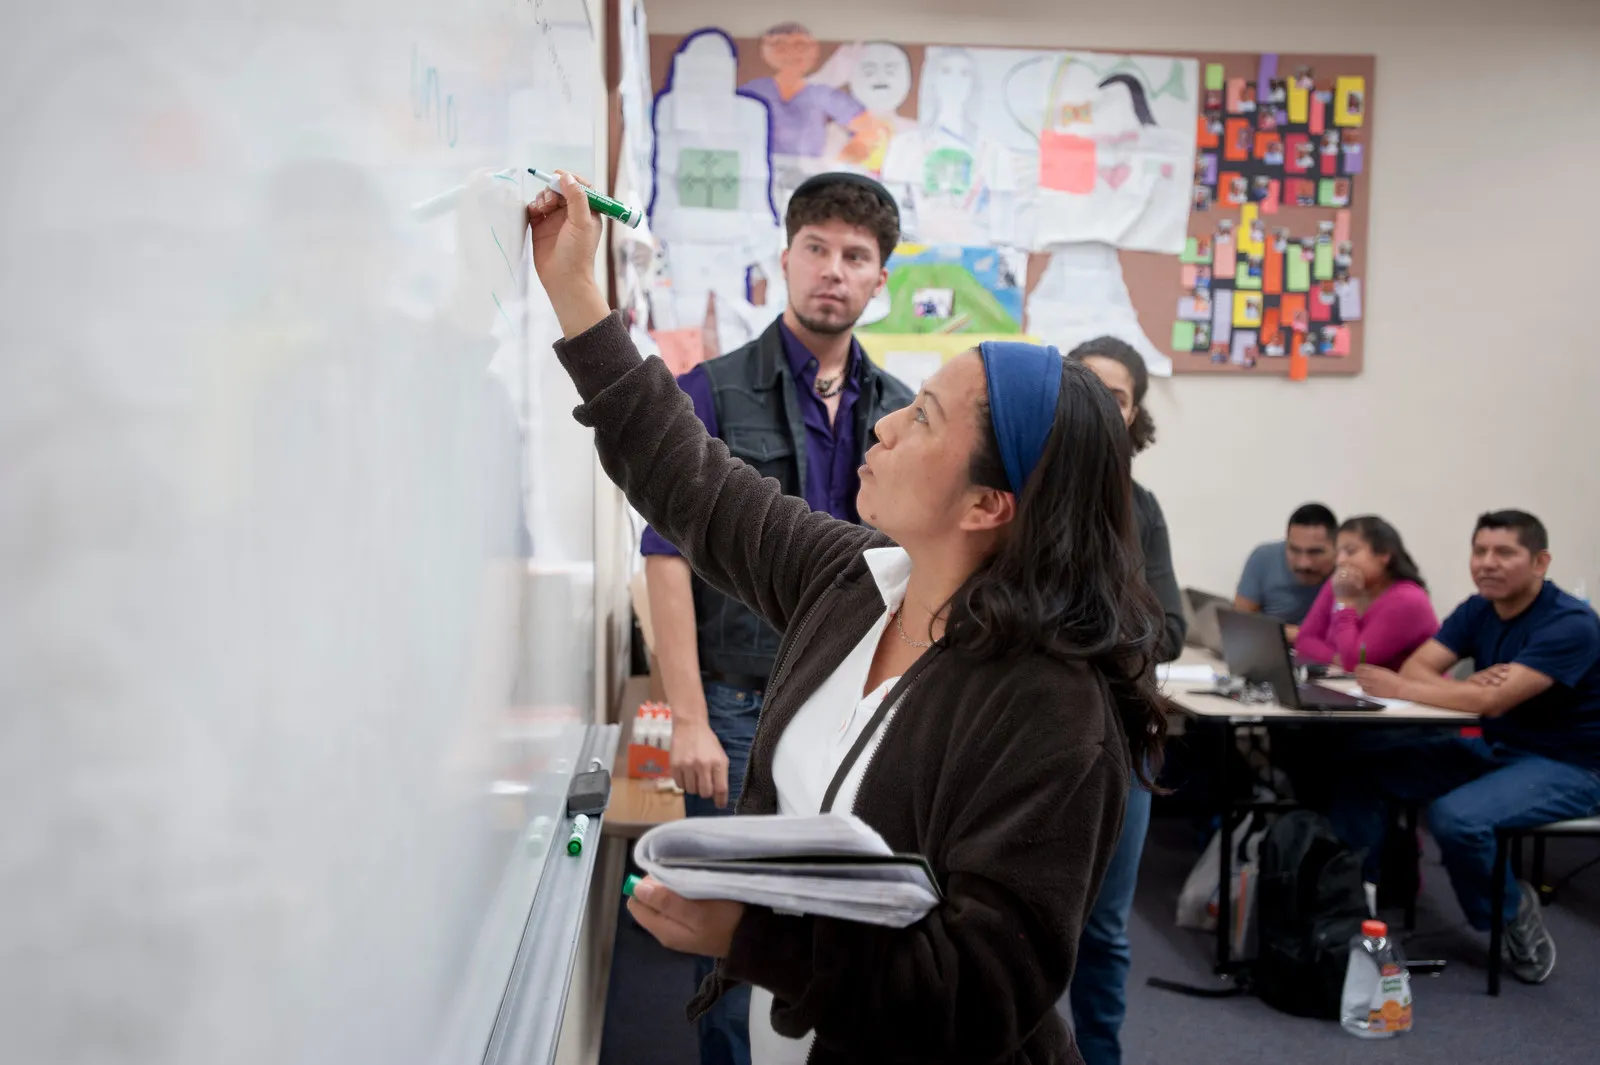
point(566, 236)
point(1492, 677)
point(699, 764)
point(703, 927)
point(1378, 682)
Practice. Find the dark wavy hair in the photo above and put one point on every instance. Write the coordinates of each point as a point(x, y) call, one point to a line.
point(1143, 430)
point(848, 203)
point(1384, 539)
point(1069, 580)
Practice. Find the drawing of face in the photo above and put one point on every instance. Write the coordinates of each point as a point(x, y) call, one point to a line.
point(951, 80)
point(882, 78)
point(793, 51)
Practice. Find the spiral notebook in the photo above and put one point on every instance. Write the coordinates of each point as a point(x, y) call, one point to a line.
point(831, 865)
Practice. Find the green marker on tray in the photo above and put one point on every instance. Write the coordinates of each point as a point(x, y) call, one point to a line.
point(580, 826)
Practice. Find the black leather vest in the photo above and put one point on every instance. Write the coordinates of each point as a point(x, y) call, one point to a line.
point(758, 414)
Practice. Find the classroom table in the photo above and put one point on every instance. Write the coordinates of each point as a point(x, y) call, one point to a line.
point(1233, 716)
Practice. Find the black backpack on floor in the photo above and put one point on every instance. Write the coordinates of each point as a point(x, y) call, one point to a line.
point(1309, 904)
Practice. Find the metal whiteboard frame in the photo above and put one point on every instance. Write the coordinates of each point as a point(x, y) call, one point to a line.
point(528, 1026)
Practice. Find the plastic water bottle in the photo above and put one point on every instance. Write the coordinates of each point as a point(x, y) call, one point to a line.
point(1376, 1002)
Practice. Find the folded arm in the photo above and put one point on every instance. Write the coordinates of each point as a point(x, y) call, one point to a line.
point(1421, 680)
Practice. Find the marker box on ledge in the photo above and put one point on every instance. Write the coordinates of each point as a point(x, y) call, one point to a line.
point(650, 744)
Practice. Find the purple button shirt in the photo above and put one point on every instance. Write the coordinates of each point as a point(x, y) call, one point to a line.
point(831, 470)
point(800, 124)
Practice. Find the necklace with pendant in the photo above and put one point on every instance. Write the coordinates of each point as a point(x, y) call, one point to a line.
point(828, 387)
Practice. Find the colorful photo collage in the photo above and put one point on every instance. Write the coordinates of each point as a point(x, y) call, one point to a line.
point(1269, 278)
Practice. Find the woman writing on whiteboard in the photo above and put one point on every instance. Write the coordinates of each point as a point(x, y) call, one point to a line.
point(973, 679)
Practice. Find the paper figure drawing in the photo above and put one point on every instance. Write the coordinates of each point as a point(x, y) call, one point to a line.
point(802, 108)
point(706, 134)
point(1113, 137)
point(711, 201)
point(879, 78)
point(955, 185)
point(1081, 295)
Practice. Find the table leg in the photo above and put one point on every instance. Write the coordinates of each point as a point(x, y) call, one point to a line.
point(1225, 851)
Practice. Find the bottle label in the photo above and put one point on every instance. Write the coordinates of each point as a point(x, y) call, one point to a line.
point(1391, 1005)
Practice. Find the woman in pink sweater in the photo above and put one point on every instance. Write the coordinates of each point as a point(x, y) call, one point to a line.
point(1375, 609)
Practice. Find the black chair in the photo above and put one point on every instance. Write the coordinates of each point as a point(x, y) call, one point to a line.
point(1508, 843)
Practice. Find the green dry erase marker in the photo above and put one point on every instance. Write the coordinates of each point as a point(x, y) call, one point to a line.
point(629, 884)
point(580, 825)
point(602, 204)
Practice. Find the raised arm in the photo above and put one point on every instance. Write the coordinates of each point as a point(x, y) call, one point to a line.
point(736, 528)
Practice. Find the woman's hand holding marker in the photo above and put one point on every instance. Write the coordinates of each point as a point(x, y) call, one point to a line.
point(566, 235)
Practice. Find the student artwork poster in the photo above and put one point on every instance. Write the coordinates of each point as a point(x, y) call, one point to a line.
point(1280, 193)
point(1116, 170)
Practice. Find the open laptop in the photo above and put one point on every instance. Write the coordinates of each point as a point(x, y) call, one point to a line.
point(1255, 648)
point(1200, 611)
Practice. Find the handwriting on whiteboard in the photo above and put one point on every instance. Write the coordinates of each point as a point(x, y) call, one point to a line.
point(429, 102)
point(557, 67)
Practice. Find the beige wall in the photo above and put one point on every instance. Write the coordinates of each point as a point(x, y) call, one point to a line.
point(1482, 388)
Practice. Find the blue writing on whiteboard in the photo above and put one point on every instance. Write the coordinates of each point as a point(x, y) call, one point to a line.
point(428, 101)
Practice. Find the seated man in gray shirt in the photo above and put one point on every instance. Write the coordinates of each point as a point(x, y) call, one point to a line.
point(1281, 579)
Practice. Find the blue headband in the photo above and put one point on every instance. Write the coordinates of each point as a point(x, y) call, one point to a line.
point(1024, 383)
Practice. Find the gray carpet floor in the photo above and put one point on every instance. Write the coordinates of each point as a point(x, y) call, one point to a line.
point(1456, 1022)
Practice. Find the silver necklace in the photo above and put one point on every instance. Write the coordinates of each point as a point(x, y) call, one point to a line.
point(899, 625)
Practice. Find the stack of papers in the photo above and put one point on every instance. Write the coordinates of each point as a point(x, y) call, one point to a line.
point(1173, 673)
point(832, 865)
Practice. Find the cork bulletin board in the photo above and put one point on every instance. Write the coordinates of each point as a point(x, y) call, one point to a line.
point(1261, 271)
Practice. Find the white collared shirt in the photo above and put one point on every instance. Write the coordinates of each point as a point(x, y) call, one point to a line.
point(810, 752)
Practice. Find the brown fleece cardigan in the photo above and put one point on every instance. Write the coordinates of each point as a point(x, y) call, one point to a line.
point(1010, 776)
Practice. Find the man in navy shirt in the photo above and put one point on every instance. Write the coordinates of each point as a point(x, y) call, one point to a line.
point(798, 404)
point(1537, 652)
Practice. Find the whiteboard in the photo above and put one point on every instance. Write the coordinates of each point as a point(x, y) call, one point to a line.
point(297, 537)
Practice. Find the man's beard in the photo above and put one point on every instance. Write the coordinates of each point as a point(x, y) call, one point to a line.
point(822, 328)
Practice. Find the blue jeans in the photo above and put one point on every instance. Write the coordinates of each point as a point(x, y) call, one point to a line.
point(732, 714)
point(1474, 786)
point(1099, 984)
